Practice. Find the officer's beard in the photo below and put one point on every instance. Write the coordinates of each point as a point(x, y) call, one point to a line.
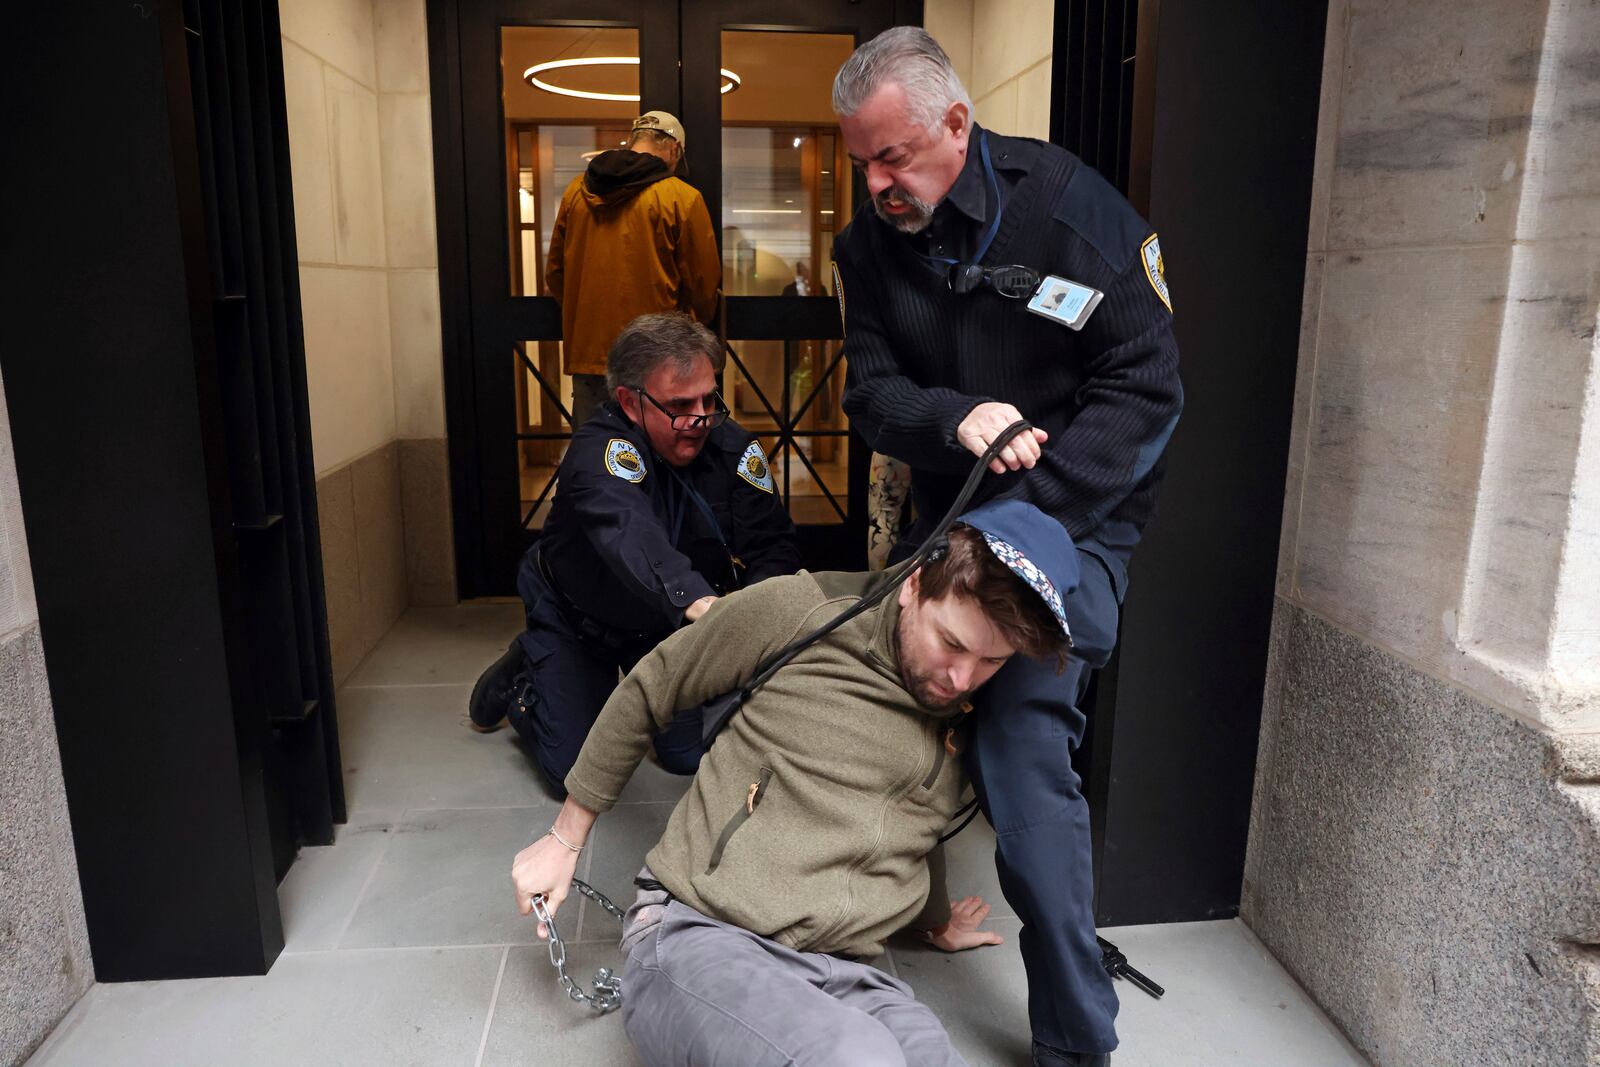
point(914, 221)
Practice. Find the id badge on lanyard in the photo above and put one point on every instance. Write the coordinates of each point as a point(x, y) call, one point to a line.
point(1063, 301)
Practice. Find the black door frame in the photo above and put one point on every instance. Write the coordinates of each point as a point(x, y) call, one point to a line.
point(480, 327)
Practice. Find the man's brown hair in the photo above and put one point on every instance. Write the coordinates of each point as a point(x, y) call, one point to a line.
point(968, 569)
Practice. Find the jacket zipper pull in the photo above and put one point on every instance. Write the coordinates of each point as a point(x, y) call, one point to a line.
point(750, 799)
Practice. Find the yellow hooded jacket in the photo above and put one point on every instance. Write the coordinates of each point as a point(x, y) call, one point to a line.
point(629, 239)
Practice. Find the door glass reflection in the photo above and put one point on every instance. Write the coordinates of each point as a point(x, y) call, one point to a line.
point(550, 136)
point(785, 180)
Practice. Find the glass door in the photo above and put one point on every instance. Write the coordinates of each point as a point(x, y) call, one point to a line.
point(524, 93)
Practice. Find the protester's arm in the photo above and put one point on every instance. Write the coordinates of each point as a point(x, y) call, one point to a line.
point(951, 925)
point(545, 868)
point(716, 655)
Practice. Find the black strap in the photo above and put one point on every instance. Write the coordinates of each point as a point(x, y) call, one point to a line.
point(719, 710)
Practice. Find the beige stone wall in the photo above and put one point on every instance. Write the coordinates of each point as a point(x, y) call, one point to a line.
point(356, 82)
point(44, 944)
point(1001, 49)
point(1440, 559)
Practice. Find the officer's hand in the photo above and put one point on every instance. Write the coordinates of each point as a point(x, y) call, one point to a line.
point(698, 608)
point(962, 932)
point(545, 867)
point(985, 422)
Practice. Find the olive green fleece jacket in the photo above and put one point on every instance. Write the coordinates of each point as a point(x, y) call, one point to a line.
point(812, 817)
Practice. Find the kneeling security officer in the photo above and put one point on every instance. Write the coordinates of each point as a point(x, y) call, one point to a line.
point(995, 278)
point(662, 505)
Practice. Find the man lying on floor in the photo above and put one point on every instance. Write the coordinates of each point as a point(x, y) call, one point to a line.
point(803, 841)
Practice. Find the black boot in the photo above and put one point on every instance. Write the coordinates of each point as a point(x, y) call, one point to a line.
point(491, 696)
point(1045, 1056)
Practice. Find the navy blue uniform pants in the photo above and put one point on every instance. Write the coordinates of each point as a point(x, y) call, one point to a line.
point(1026, 725)
point(566, 679)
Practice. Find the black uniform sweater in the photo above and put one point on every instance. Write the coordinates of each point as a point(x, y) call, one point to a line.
point(921, 357)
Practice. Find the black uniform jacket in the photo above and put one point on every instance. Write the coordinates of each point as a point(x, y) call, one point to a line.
point(628, 544)
point(921, 357)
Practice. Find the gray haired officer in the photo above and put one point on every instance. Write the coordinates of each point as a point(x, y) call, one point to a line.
point(949, 280)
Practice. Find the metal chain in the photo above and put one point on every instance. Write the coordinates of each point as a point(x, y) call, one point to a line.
point(607, 995)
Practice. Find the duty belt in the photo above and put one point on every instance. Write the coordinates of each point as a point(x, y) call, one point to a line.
point(586, 627)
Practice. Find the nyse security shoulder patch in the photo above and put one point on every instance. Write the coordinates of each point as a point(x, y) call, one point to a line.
point(753, 468)
point(1155, 268)
point(623, 460)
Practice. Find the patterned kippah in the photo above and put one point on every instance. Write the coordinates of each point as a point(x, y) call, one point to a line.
point(1025, 569)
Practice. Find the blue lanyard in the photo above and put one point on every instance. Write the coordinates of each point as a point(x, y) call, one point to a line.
point(676, 511)
point(999, 209)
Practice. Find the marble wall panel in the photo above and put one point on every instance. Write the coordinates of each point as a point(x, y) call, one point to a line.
point(349, 375)
point(1414, 863)
point(339, 32)
point(341, 570)
point(1332, 95)
point(1008, 37)
point(1033, 102)
point(417, 346)
point(1305, 375)
point(310, 164)
point(1433, 123)
point(1404, 357)
point(425, 501)
point(380, 542)
point(997, 111)
point(401, 31)
point(1566, 150)
point(407, 148)
point(354, 146)
point(1525, 497)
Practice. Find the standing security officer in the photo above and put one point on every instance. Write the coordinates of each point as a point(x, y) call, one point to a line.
point(997, 278)
point(662, 505)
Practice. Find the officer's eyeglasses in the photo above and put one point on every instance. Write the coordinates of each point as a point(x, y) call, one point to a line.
point(710, 420)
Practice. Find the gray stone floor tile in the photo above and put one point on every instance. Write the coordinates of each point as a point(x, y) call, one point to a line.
point(1228, 1002)
point(336, 1008)
point(617, 848)
point(445, 879)
point(320, 892)
point(535, 1023)
point(981, 996)
point(411, 747)
point(440, 645)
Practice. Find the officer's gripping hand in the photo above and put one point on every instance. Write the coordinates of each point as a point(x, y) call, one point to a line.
point(985, 422)
point(699, 608)
point(962, 932)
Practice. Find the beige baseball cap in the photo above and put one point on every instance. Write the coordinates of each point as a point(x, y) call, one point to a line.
point(661, 122)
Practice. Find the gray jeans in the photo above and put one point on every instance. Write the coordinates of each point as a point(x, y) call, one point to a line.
point(702, 992)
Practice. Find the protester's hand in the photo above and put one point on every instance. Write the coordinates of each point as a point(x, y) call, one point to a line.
point(544, 867)
point(962, 932)
point(698, 608)
point(985, 422)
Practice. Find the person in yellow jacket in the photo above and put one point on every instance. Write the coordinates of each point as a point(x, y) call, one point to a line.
point(630, 238)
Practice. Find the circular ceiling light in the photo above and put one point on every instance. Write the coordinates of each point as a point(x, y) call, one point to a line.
point(730, 80)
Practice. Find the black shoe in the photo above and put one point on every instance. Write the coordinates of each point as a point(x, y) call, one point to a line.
point(1045, 1056)
point(491, 696)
